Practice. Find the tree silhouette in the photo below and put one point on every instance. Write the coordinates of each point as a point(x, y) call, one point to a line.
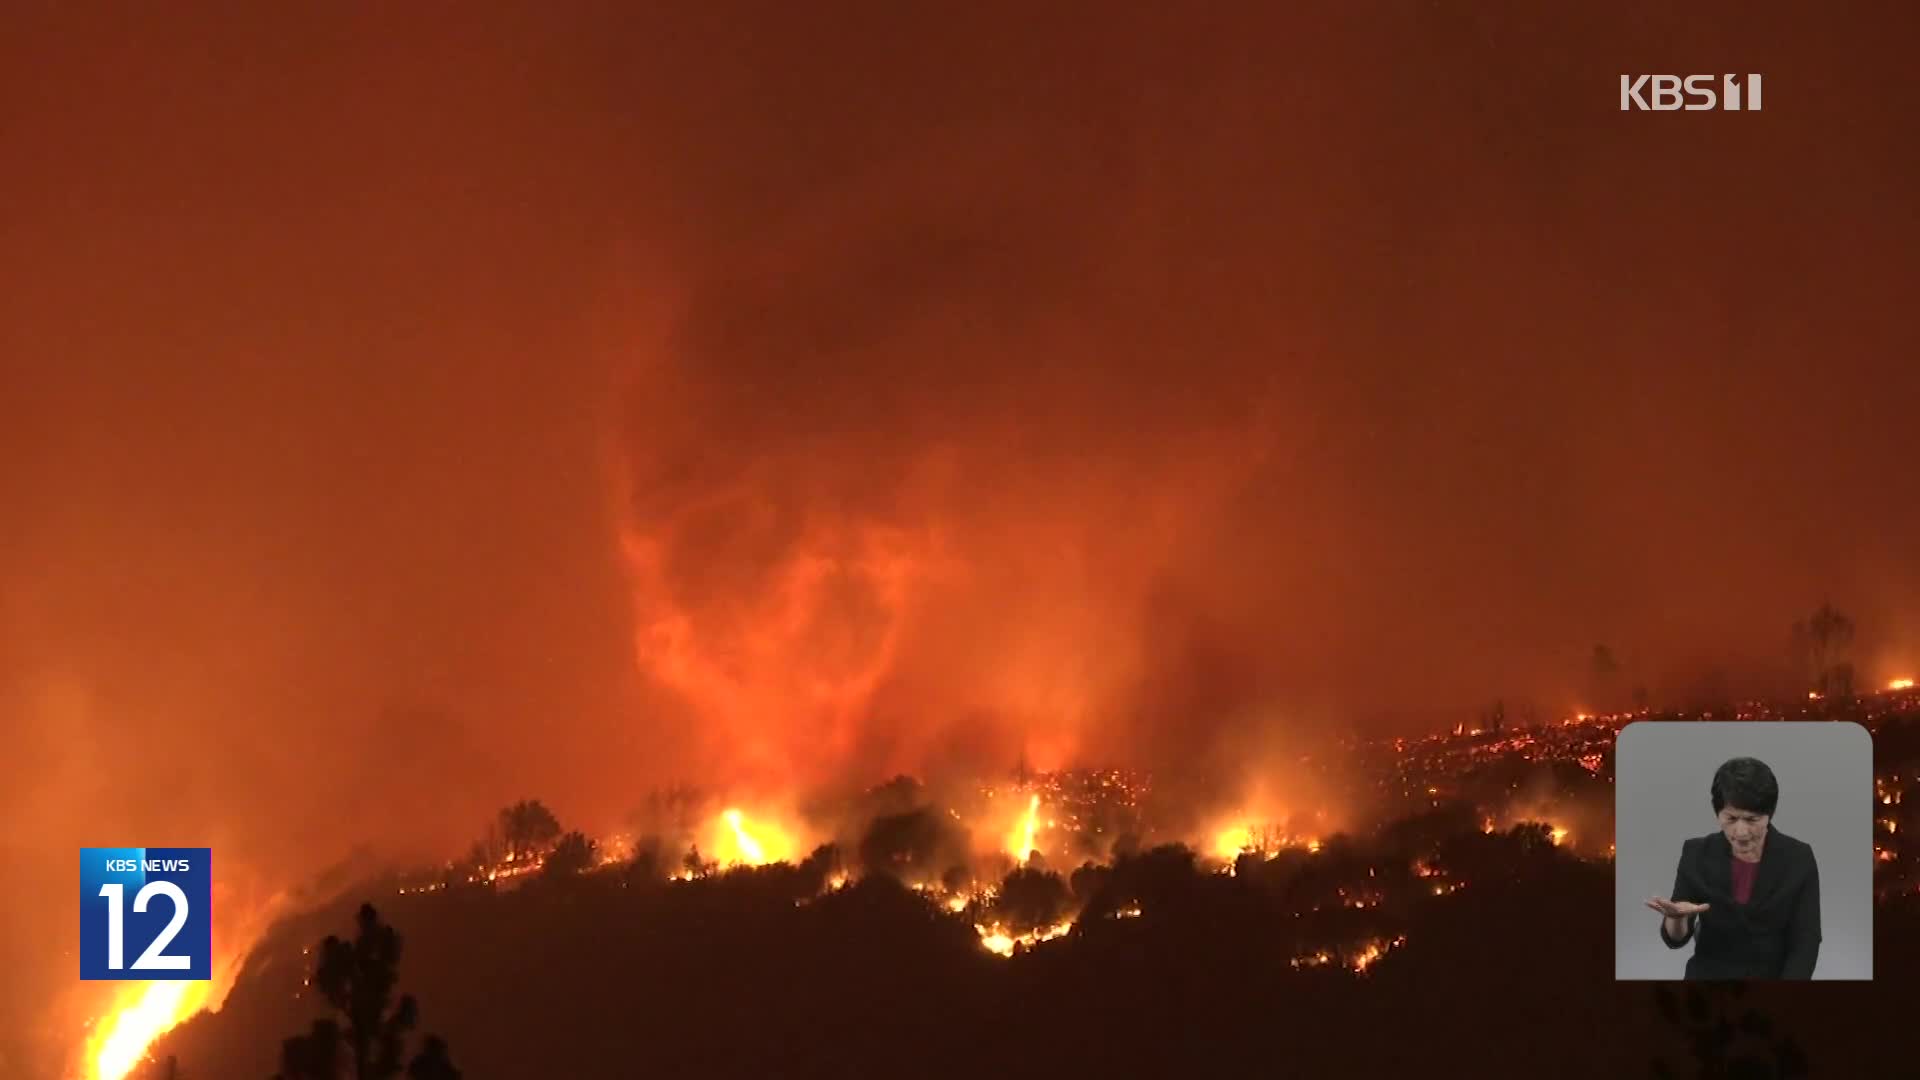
point(528, 827)
point(645, 867)
point(910, 845)
point(573, 854)
point(432, 1062)
point(357, 979)
point(1030, 899)
point(695, 866)
point(313, 1056)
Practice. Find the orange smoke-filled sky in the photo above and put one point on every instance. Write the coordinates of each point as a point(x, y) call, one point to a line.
point(408, 410)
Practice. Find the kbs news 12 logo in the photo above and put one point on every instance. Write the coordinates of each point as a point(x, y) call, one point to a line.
point(1694, 93)
point(145, 914)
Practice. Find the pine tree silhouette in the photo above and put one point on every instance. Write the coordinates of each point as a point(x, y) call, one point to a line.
point(432, 1062)
point(357, 978)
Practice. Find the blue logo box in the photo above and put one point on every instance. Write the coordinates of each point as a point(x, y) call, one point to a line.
point(146, 913)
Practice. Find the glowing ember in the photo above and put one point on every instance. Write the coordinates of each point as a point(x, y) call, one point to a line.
point(1559, 834)
point(1358, 960)
point(1020, 842)
point(1000, 943)
point(157, 1009)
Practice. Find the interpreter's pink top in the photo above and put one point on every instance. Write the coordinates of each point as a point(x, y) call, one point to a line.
point(1743, 875)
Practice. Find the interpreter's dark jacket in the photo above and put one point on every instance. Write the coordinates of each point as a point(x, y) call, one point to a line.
point(1774, 935)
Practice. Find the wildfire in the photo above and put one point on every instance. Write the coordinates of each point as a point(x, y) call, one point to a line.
point(1001, 943)
point(741, 841)
point(1900, 684)
point(120, 1039)
point(1358, 960)
point(1229, 843)
point(1559, 835)
point(750, 849)
point(1232, 841)
point(145, 1012)
point(1020, 841)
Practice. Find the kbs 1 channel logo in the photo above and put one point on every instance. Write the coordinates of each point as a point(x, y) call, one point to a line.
point(1690, 93)
point(145, 913)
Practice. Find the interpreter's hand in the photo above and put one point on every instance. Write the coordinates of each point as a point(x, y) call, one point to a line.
point(1675, 909)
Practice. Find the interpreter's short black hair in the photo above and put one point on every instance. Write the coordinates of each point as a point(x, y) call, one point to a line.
point(1746, 784)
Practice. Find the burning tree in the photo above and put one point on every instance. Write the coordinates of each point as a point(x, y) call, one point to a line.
point(357, 978)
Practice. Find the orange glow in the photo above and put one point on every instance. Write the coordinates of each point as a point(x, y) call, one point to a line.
point(143, 1013)
point(740, 841)
point(1357, 961)
point(788, 649)
point(120, 1041)
point(1020, 842)
point(1900, 684)
point(1000, 943)
point(1559, 835)
point(1231, 841)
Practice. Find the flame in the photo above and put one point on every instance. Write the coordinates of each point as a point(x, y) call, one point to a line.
point(144, 1013)
point(750, 849)
point(1358, 960)
point(1559, 834)
point(740, 841)
point(1020, 841)
point(1000, 943)
point(1900, 684)
point(1231, 841)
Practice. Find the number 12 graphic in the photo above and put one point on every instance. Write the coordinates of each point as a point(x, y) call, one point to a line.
point(169, 922)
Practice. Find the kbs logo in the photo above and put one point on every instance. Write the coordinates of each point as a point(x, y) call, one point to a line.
point(145, 914)
point(1694, 93)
